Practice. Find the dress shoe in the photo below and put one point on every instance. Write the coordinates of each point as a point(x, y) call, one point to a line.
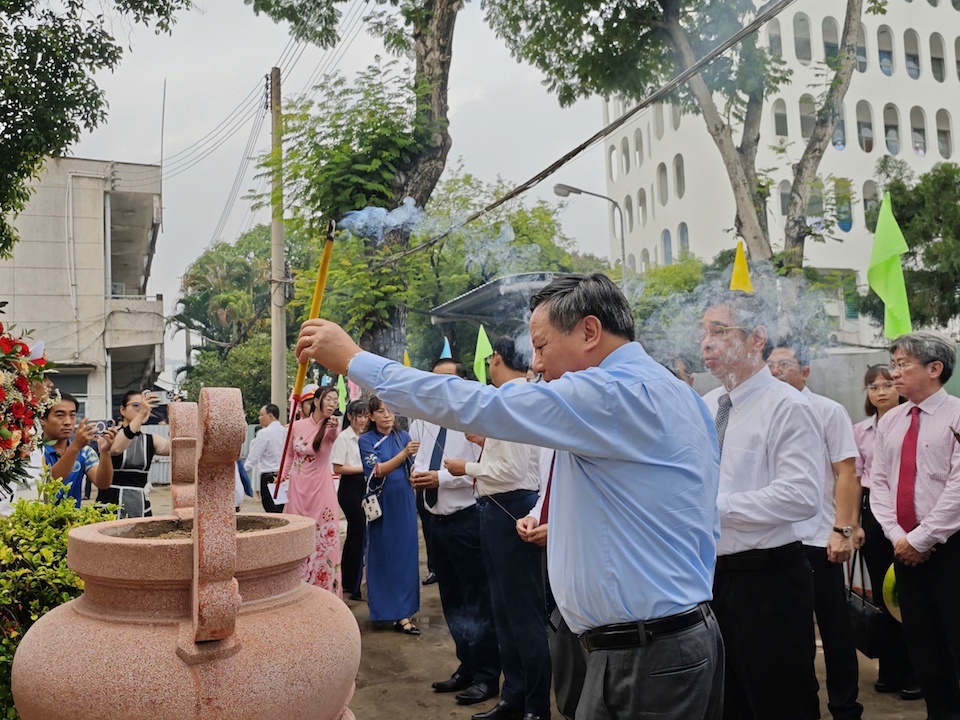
point(531, 716)
point(501, 711)
point(911, 692)
point(429, 579)
point(883, 686)
point(458, 681)
point(478, 692)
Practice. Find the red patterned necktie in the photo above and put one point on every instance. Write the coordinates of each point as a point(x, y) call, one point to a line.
point(545, 508)
point(907, 481)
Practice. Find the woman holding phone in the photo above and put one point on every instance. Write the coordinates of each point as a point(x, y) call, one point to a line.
point(132, 453)
point(310, 490)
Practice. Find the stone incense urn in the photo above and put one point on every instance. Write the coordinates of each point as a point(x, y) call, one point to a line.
point(198, 615)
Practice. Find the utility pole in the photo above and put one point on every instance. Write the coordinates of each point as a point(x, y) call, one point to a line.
point(278, 301)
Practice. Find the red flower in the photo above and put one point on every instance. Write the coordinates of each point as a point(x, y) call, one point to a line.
point(21, 384)
point(40, 361)
point(6, 443)
point(7, 344)
point(3, 394)
point(24, 349)
point(18, 410)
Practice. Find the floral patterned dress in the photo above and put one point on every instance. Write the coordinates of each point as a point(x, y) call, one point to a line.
point(311, 492)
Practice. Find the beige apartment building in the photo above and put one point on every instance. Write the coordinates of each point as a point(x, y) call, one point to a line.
point(78, 277)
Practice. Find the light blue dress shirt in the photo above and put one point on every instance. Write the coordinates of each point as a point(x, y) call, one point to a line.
point(633, 504)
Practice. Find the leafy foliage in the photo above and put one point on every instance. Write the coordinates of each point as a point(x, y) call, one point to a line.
point(246, 366)
point(34, 577)
point(929, 216)
point(49, 52)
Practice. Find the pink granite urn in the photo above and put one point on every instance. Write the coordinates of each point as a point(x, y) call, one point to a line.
point(200, 615)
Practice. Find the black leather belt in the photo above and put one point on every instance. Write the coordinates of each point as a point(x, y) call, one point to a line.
point(637, 634)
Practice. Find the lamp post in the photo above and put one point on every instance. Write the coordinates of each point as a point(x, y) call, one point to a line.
point(561, 190)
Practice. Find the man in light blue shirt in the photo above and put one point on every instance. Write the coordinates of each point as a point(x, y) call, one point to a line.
point(633, 499)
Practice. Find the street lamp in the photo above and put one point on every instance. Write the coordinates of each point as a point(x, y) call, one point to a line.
point(561, 190)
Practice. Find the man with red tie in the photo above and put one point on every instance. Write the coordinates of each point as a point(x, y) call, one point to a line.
point(916, 499)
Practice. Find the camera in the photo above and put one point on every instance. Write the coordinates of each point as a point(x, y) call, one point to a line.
point(165, 397)
point(102, 426)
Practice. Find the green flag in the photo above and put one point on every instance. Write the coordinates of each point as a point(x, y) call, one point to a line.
point(484, 350)
point(342, 393)
point(885, 274)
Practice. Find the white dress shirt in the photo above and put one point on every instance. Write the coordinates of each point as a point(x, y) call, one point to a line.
point(840, 445)
point(456, 491)
point(937, 488)
point(771, 464)
point(266, 450)
point(346, 451)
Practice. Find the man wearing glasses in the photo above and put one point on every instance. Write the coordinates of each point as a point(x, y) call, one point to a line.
point(915, 496)
point(830, 536)
point(771, 457)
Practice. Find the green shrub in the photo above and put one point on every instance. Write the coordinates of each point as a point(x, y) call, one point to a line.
point(34, 577)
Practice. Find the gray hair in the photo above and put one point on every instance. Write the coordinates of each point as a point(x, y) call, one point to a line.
point(928, 346)
point(573, 297)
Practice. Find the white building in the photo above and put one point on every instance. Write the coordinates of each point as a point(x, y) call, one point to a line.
point(904, 100)
point(78, 277)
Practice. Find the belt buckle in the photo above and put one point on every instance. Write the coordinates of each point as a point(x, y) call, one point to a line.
point(644, 637)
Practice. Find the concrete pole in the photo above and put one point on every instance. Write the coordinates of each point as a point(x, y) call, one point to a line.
point(278, 302)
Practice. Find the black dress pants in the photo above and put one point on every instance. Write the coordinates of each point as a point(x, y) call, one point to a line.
point(763, 600)
point(266, 497)
point(895, 667)
point(349, 495)
point(930, 604)
point(836, 634)
point(465, 594)
point(517, 598)
point(426, 524)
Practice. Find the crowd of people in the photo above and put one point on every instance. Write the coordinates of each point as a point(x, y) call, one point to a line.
point(594, 522)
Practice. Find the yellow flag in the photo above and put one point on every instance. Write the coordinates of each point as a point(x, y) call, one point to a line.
point(406, 358)
point(740, 280)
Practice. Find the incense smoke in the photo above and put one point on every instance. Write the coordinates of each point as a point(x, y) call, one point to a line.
point(373, 223)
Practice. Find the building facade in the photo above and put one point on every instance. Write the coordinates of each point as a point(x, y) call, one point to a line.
point(78, 277)
point(904, 100)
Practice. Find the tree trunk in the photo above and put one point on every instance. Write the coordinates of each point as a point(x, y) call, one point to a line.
point(744, 191)
point(433, 50)
point(805, 171)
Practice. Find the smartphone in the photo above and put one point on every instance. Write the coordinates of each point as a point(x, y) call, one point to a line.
point(165, 397)
point(102, 426)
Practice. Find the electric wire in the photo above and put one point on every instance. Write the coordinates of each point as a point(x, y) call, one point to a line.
point(656, 96)
point(348, 21)
point(238, 179)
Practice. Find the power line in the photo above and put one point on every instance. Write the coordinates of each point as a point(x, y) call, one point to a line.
point(238, 179)
point(348, 22)
point(655, 97)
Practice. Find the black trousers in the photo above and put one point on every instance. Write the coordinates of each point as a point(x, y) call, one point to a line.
point(930, 604)
point(569, 660)
point(763, 600)
point(426, 524)
point(677, 677)
point(877, 551)
point(836, 634)
point(266, 497)
point(517, 598)
point(351, 492)
point(465, 593)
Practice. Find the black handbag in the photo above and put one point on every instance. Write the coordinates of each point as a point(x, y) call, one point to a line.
point(868, 620)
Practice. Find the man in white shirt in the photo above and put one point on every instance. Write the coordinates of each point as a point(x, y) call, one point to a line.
point(770, 479)
point(265, 454)
point(828, 537)
point(508, 480)
point(458, 562)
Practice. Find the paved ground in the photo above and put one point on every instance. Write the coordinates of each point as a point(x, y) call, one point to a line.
point(396, 670)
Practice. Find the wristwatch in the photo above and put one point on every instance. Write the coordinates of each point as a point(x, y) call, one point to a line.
point(846, 531)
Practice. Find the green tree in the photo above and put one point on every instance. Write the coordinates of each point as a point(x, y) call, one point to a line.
point(631, 47)
point(929, 216)
point(418, 29)
point(246, 366)
point(49, 52)
point(225, 293)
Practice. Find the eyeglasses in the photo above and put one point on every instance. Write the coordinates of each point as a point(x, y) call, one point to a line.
point(873, 387)
point(135, 406)
point(717, 332)
point(782, 364)
point(903, 365)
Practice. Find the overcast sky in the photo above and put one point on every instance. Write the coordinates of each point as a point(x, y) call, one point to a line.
point(502, 121)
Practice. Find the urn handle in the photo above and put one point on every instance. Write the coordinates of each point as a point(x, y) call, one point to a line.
point(220, 434)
